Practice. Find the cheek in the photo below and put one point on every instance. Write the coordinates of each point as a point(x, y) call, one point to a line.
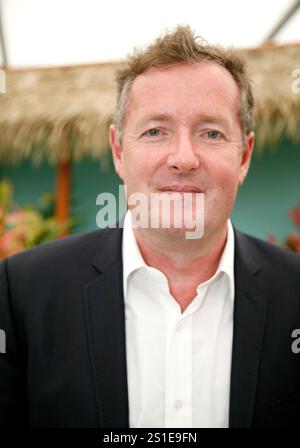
point(135, 173)
point(139, 166)
point(226, 178)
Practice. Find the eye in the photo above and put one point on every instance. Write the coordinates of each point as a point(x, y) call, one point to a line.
point(153, 132)
point(213, 135)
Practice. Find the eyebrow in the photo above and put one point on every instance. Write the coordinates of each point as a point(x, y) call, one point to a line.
point(215, 119)
point(157, 117)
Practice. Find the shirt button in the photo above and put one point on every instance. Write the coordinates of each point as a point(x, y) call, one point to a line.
point(178, 404)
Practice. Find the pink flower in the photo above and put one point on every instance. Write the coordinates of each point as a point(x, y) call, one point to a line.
point(11, 243)
point(272, 238)
point(15, 217)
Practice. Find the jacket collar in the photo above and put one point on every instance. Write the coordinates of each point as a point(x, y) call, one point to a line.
point(249, 318)
point(105, 323)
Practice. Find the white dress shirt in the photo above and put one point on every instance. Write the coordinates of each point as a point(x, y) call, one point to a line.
point(178, 364)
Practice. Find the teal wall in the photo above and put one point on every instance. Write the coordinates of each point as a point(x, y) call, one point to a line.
point(88, 181)
point(271, 189)
point(29, 182)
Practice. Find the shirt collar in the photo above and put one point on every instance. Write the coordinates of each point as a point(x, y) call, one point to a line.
point(133, 259)
point(226, 263)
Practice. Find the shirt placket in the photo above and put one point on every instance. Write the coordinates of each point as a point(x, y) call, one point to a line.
point(178, 380)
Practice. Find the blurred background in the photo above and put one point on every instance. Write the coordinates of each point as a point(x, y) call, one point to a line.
point(57, 98)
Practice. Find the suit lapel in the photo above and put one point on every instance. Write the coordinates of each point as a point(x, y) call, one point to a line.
point(249, 321)
point(104, 308)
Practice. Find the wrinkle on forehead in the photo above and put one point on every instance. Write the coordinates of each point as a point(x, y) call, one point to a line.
point(184, 91)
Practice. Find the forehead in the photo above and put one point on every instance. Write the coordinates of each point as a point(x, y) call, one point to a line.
point(185, 89)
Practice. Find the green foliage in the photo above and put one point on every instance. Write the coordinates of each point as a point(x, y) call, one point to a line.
point(29, 225)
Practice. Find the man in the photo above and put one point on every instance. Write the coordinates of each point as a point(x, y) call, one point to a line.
point(141, 326)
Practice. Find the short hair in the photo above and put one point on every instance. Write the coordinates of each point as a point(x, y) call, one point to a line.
point(181, 47)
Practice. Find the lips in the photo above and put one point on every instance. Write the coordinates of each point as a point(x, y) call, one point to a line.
point(181, 188)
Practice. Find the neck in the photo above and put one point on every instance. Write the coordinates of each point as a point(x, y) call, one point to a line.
point(182, 260)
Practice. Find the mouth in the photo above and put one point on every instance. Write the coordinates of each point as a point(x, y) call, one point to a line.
point(180, 189)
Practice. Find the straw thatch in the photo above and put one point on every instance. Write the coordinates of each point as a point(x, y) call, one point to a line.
point(56, 113)
point(43, 109)
point(277, 103)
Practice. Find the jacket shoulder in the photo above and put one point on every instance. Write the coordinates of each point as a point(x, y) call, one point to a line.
point(75, 249)
point(268, 254)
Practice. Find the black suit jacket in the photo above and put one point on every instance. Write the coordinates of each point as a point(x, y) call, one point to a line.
point(62, 309)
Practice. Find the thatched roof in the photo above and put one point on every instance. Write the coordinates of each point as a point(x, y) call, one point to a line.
point(44, 108)
point(277, 105)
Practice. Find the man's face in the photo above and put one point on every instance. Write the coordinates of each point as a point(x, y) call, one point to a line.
point(182, 130)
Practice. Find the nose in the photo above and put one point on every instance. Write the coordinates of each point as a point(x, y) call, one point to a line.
point(183, 156)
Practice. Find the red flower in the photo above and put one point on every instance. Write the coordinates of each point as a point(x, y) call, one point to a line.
point(293, 242)
point(295, 215)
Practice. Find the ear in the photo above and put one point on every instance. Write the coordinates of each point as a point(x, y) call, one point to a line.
point(117, 152)
point(246, 157)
